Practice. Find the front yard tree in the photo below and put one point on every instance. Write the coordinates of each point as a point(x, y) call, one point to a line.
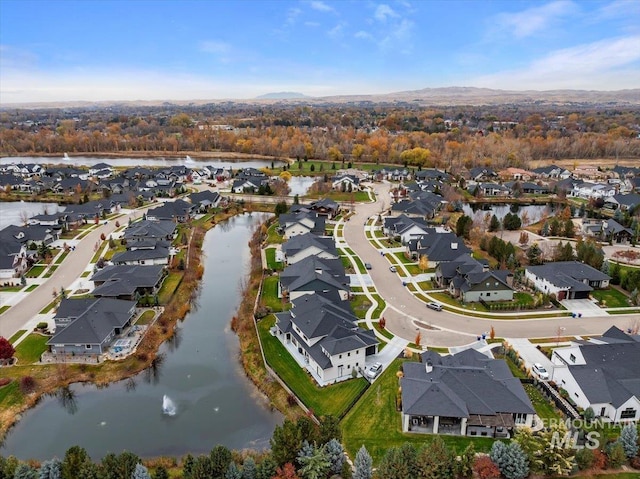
point(510, 459)
point(335, 454)
point(494, 223)
point(436, 460)
point(6, 349)
point(423, 263)
point(51, 469)
point(398, 462)
point(629, 440)
point(316, 465)
point(363, 464)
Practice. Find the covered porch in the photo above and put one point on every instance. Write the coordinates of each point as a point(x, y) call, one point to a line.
point(499, 425)
point(454, 426)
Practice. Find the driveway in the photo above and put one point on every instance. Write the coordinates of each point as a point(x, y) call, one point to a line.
point(406, 315)
point(585, 307)
point(530, 354)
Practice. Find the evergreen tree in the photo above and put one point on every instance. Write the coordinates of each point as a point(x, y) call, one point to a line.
point(74, 459)
point(220, 459)
point(616, 456)
point(307, 450)
point(51, 469)
point(510, 459)
point(25, 471)
point(534, 255)
point(249, 468)
point(398, 463)
point(335, 454)
point(140, 472)
point(161, 473)
point(435, 460)
point(569, 229)
point(463, 226)
point(464, 464)
point(315, 466)
point(629, 440)
point(233, 472)
point(266, 469)
point(329, 429)
point(363, 465)
point(494, 224)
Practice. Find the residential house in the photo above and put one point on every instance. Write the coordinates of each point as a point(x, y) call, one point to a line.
point(345, 183)
point(526, 188)
point(91, 325)
point(30, 235)
point(566, 279)
point(437, 247)
point(423, 204)
point(552, 171)
point(179, 211)
point(593, 190)
point(404, 227)
point(607, 230)
point(324, 338)
point(602, 374)
point(325, 207)
point(623, 202)
point(203, 200)
point(302, 222)
point(151, 230)
point(99, 168)
point(129, 282)
point(467, 394)
point(432, 174)
point(479, 174)
point(301, 246)
point(149, 252)
point(314, 275)
point(517, 174)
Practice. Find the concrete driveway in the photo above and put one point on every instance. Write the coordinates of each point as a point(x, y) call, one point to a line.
point(585, 307)
point(530, 354)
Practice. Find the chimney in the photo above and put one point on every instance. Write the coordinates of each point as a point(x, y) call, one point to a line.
point(429, 366)
point(510, 280)
point(454, 245)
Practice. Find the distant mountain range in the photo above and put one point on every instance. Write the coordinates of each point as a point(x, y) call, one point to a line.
point(425, 97)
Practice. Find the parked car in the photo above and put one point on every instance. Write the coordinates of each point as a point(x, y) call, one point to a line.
point(374, 370)
point(392, 269)
point(367, 265)
point(434, 306)
point(540, 370)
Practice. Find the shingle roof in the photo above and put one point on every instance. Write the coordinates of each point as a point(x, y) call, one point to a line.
point(568, 274)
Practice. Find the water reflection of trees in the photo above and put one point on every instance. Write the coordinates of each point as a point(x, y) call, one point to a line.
point(154, 371)
point(173, 343)
point(67, 399)
point(130, 385)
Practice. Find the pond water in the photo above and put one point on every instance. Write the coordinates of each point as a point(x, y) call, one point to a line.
point(300, 185)
point(530, 213)
point(158, 161)
point(14, 213)
point(200, 376)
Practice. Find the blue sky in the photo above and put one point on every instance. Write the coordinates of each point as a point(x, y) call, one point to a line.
point(129, 50)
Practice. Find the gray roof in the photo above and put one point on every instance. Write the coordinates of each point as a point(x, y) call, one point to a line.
point(461, 385)
point(569, 274)
point(140, 255)
point(301, 242)
point(150, 229)
point(96, 322)
point(171, 210)
point(441, 246)
point(126, 279)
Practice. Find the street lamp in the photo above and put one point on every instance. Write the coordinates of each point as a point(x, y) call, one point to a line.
point(559, 332)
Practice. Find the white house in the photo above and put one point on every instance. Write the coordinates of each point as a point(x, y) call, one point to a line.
point(602, 374)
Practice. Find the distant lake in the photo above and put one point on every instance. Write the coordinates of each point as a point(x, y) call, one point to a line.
point(153, 161)
point(13, 213)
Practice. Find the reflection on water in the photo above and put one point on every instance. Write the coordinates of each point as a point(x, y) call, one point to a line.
point(198, 370)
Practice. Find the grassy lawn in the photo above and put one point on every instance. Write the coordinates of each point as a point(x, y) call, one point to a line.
point(85, 274)
point(425, 285)
point(625, 312)
point(111, 252)
point(523, 298)
point(31, 288)
point(169, 285)
point(332, 400)
point(382, 331)
point(270, 254)
point(62, 257)
point(146, 317)
point(16, 336)
point(610, 298)
point(10, 394)
point(35, 271)
point(270, 294)
point(51, 271)
point(11, 289)
point(29, 350)
point(515, 370)
point(356, 196)
point(543, 407)
point(380, 308)
point(403, 259)
point(49, 306)
point(375, 422)
point(360, 305)
point(272, 235)
point(447, 299)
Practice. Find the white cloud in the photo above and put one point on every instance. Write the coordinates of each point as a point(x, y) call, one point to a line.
point(321, 6)
point(533, 20)
point(292, 16)
point(609, 64)
point(383, 12)
point(362, 35)
point(215, 47)
point(617, 9)
point(337, 31)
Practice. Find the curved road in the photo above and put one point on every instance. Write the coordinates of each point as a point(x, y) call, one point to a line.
point(451, 329)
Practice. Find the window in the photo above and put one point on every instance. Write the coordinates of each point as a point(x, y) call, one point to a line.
point(603, 411)
point(520, 418)
point(628, 413)
point(87, 346)
point(340, 356)
point(349, 354)
point(572, 358)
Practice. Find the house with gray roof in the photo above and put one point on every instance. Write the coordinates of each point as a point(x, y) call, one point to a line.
point(323, 337)
point(308, 244)
point(602, 373)
point(405, 227)
point(147, 252)
point(623, 202)
point(467, 394)
point(203, 200)
point(301, 222)
point(130, 282)
point(325, 207)
point(472, 281)
point(438, 247)
point(178, 210)
point(566, 279)
point(147, 230)
point(607, 230)
point(314, 275)
point(92, 325)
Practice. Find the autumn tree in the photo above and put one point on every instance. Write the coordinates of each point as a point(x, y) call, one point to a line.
point(423, 263)
point(6, 349)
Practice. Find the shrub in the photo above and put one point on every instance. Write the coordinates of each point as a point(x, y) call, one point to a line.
point(585, 459)
point(42, 325)
point(4, 381)
point(485, 468)
point(615, 455)
point(27, 384)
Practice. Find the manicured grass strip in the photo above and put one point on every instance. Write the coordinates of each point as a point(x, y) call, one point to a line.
point(270, 254)
point(17, 336)
point(146, 317)
point(49, 307)
point(11, 289)
point(30, 350)
point(380, 308)
point(169, 285)
point(360, 305)
point(62, 257)
point(629, 311)
point(375, 423)
point(562, 339)
point(403, 259)
point(31, 288)
point(85, 274)
point(330, 400)
point(50, 272)
point(382, 331)
point(35, 271)
point(4, 308)
point(272, 235)
point(610, 298)
point(270, 294)
point(543, 407)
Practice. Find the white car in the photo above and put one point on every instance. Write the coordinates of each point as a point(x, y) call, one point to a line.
point(540, 371)
point(374, 371)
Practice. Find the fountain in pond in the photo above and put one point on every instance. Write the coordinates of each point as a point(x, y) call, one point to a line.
point(168, 406)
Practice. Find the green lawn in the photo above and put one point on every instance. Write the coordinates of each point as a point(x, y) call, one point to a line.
point(10, 394)
point(30, 350)
point(332, 400)
point(16, 336)
point(360, 305)
point(544, 408)
point(270, 254)
point(4, 308)
point(382, 331)
point(85, 274)
point(513, 367)
point(11, 289)
point(270, 294)
point(272, 235)
point(35, 271)
point(523, 298)
point(31, 288)
point(49, 306)
point(52, 270)
point(375, 423)
point(610, 298)
point(62, 257)
point(146, 317)
point(403, 259)
point(356, 196)
point(380, 308)
point(169, 285)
